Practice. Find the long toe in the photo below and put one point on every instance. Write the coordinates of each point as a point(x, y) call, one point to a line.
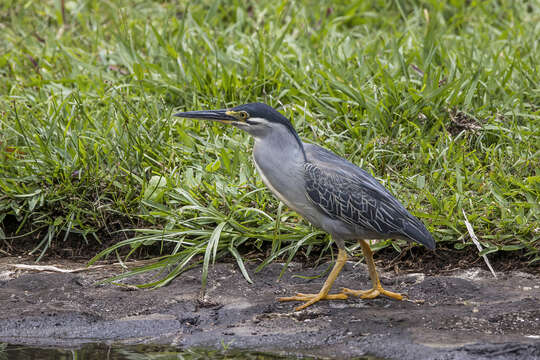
point(363, 294)
point(311, 299)
point(390, 294)
point(372, 293)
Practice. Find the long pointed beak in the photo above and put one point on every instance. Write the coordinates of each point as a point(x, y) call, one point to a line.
point(215, 115)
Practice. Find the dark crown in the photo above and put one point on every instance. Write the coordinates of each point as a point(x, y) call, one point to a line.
point(260, 110)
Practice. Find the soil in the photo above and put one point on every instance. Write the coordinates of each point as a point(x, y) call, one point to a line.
point(457, 314)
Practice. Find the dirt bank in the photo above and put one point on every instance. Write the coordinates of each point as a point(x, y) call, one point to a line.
point(462, 315)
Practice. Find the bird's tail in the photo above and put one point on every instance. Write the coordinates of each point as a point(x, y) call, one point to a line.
point(415, 230)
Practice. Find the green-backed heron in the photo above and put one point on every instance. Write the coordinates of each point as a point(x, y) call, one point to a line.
point(329, 191)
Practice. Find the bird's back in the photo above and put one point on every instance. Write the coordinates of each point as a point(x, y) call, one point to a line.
point(349, 194)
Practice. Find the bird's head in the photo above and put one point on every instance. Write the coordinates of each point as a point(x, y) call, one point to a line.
point(257, 119)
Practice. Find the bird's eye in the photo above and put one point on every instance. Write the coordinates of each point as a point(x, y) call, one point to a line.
point(244, 115)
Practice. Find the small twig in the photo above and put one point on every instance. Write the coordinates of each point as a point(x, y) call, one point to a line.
point(5, 252)
point(52, 268)
point(477, 243)
point(417, 69)
point(127, 286)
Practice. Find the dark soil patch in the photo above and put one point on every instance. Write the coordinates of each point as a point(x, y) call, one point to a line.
point(20, 242)
point(444, 260)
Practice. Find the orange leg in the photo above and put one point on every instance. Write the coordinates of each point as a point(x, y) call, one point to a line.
point(323, 294)
point(377, 288)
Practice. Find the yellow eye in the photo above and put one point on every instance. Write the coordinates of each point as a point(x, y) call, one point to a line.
point(243, 115)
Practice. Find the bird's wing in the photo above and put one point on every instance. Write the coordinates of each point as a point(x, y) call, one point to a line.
point(344, 191)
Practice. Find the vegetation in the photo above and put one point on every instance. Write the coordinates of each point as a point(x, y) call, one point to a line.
point(439, 100)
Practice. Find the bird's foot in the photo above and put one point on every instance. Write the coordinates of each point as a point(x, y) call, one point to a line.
point(311, 299)
point(372, 293)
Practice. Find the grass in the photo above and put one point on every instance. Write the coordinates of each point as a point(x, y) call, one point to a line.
point(437, 100)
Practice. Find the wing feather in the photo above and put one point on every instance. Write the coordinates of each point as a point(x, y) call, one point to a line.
point(344, 191)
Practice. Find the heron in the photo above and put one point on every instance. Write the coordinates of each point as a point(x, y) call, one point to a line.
point(327, 190)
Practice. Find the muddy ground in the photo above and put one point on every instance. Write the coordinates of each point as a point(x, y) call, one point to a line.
point(462, 315)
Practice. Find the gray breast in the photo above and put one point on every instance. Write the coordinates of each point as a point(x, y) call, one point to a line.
point(283, 173)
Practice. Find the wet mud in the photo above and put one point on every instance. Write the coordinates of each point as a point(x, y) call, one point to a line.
point(461, 315)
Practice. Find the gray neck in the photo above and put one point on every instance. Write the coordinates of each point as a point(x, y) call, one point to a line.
point(279, 142)
point(280, 159)
point(275, 137)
